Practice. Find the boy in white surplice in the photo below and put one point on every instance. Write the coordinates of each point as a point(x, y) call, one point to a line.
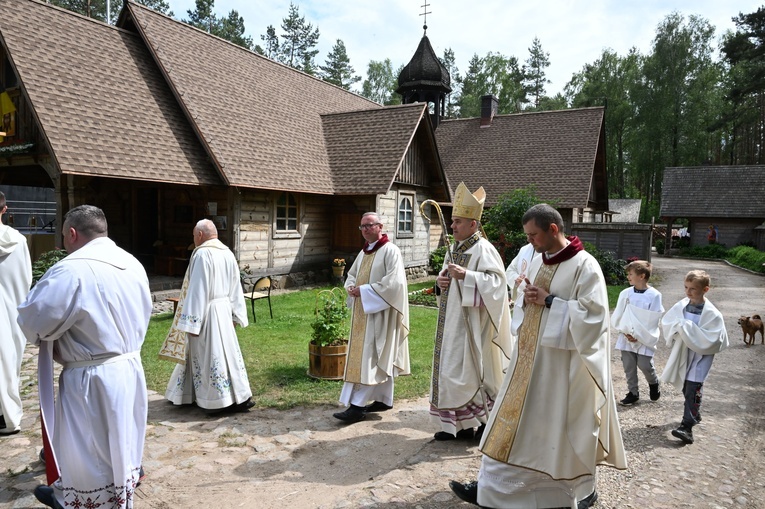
point(636, 318)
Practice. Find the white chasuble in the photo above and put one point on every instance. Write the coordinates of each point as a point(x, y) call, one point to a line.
point(213, 374)
point(378, 345)
point(556, 413)
point(472, 310)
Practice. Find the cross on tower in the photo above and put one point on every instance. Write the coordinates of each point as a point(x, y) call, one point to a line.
point(425, 13)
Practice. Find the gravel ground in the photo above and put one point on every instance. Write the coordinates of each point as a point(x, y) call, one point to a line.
point(303, 458)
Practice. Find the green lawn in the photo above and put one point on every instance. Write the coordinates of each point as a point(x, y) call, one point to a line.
point(276, 352)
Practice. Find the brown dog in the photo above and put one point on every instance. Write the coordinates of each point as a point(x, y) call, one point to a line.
point(750, 326)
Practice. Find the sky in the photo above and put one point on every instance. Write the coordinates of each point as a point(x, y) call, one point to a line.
point(574, 33)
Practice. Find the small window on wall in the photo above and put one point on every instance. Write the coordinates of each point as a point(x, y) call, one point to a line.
point(286, 213)
point(405, 226)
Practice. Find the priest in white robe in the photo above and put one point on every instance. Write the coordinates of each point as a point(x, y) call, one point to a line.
point(210, 370)
point(90, 313)
point(555, 418)
point(15, 280)
point(473, 343)
point(378, 347)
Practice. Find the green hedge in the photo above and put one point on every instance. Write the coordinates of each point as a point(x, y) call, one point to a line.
point(747, 257)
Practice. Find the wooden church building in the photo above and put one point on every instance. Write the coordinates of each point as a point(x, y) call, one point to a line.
point(161, 124)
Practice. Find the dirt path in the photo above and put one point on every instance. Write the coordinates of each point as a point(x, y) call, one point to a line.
point(304, 459)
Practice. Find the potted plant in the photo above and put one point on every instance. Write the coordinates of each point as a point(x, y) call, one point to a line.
point(338, 267)
point(329, 339)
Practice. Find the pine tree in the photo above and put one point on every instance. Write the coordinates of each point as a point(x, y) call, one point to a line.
point(299, 40)
point(536, 79)
point(338, 70)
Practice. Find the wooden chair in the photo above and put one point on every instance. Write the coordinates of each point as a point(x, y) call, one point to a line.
point(260, 290)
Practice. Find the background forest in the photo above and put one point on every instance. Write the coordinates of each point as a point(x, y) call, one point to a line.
point(678, 105)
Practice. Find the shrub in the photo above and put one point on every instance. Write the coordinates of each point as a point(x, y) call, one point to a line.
point(714, 251)
point(612, 267)
point(747, 257)
point(437, 256)
point(659, 246)
point(45, 262)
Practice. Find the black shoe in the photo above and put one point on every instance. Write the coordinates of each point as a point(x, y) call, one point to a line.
point(377, 406)
point(698, 418)
point(463, 434)
point(684, 434)
point(44, 495)
point(2, 421)
point(629, 399)
point(42, 456)
point(244, 406)
point(351, 414)
point(655, 392)
point(467, 492)
point(141, 477)
point(479, 432)
point(588, 501)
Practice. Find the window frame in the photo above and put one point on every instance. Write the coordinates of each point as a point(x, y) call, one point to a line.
point(410, 196)
point(286, 233)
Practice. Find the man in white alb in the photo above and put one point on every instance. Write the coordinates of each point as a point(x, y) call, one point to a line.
point(210, 370)
point(90, 313)
point(15, 280)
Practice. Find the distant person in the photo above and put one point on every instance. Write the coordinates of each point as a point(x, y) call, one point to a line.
point(636, 319)
point(378, 350)
point(555, 417)
point(15, 280)
point(202, 338)
point(516, 274)
point(695, 331)
point(90, 313)
point(712, 234)
point(473, 341)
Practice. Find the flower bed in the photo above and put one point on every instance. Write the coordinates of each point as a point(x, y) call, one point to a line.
point(424, 297)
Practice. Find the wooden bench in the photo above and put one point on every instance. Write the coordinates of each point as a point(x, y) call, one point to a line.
point(174, 300)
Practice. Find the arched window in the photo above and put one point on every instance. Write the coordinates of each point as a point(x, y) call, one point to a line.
point(286, 213)
point(405, 216)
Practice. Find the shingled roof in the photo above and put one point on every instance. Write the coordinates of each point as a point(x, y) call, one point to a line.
point(554, 151)
point(101, 103)
point(713, 191)
point(366, 148)
point(260, 120)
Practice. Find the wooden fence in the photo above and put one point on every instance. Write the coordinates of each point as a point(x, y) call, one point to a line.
point(625, 240)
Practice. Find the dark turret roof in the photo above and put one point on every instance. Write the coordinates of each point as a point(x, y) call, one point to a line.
point(424, 70)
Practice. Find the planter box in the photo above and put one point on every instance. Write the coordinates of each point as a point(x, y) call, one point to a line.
point(326, 362)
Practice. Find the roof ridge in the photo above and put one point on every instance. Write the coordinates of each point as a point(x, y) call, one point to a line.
point(380, 108)
point(242, 48)
point(78, 15)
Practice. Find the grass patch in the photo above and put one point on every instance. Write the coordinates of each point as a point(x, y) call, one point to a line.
point(276, 352)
